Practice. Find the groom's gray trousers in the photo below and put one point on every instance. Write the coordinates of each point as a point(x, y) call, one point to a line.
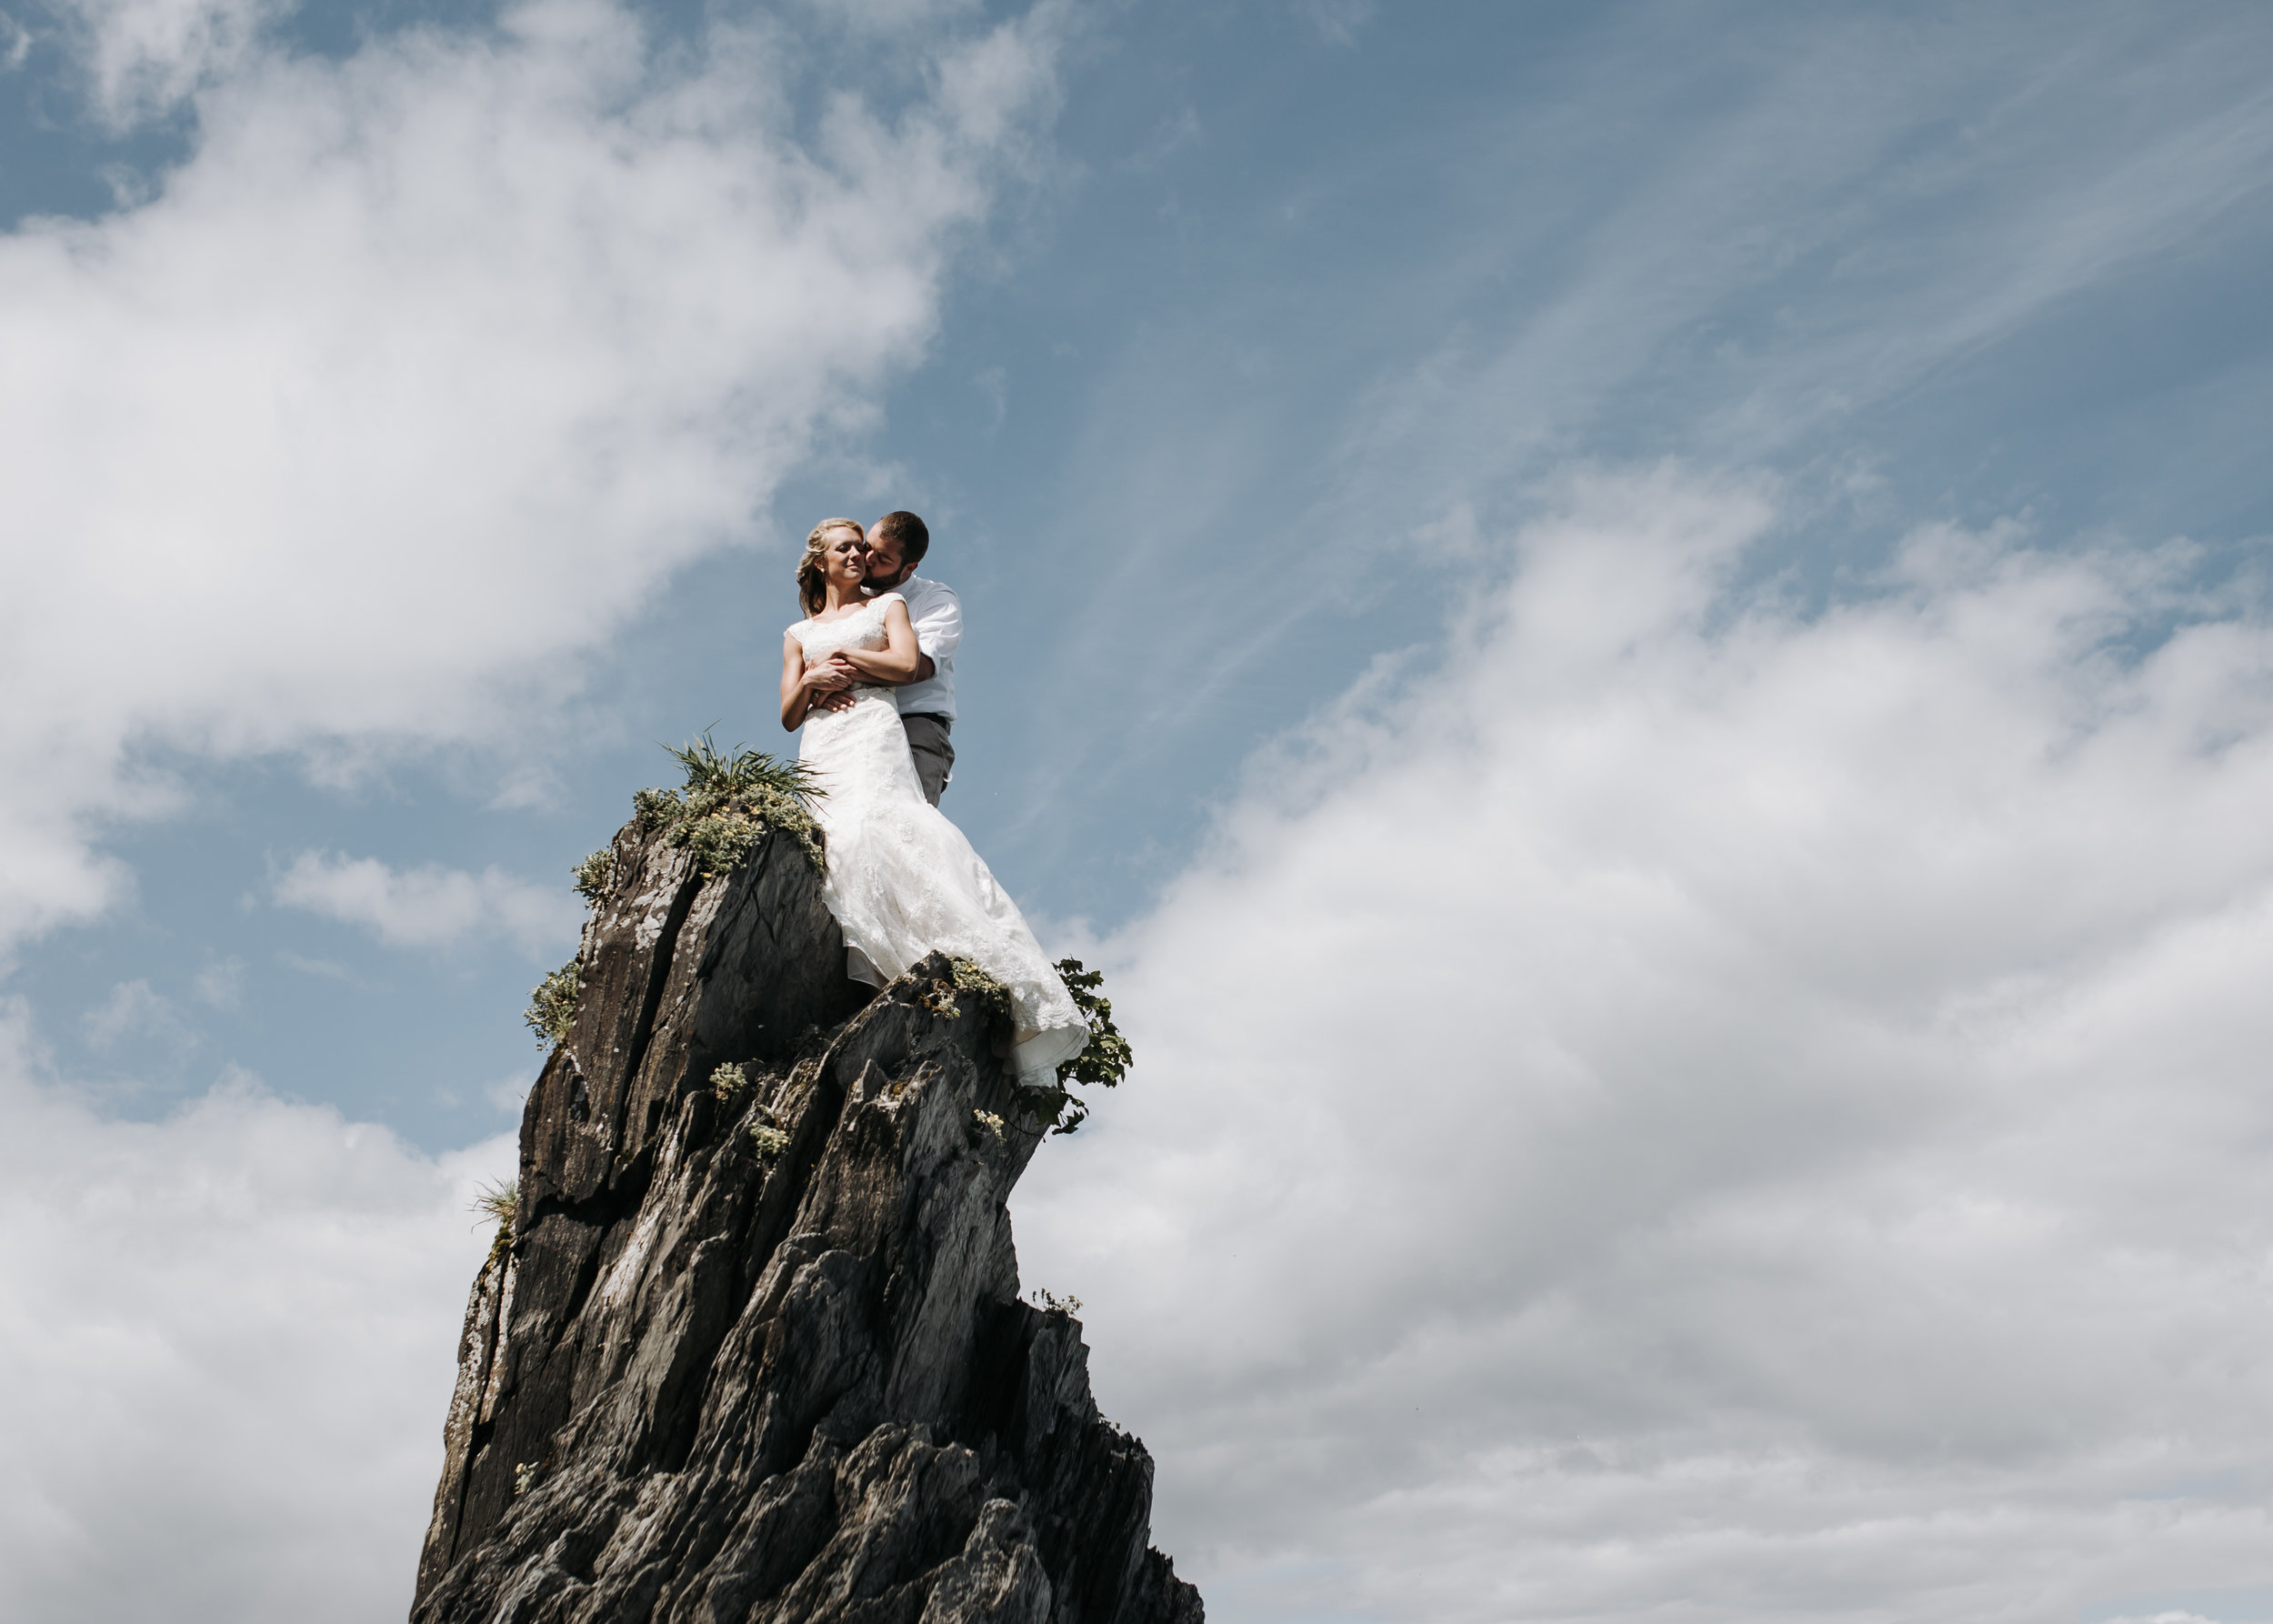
point(934, 756)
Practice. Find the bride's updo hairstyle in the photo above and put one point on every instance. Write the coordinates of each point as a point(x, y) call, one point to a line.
point(812, 568)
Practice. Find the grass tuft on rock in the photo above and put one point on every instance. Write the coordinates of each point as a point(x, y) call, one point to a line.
point(727, 803)
point(502, 1202)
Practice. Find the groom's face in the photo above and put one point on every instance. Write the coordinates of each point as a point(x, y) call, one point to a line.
point(884, 568)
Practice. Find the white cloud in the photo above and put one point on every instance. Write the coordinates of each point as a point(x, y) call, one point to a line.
point(221, 983)
point(1702, 1103)
point(227, 1348)
point(1337, 21)
point(422, 373)
point(144, 56)
point(430, 906)
point(136, 1009)
point(18, 42)
point(329, 969)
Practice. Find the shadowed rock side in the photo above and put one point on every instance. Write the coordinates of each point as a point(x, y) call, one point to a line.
point(708, 1383)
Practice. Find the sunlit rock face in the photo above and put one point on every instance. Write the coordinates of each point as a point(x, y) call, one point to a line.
point(757, 1354)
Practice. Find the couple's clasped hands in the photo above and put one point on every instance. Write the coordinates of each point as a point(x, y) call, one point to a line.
point(830, 683)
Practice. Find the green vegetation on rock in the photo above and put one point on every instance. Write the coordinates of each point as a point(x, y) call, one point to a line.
point(728, 803)
point(501, 1201)
point(552, 1003)
point(596, 874)
point(1103, 1060)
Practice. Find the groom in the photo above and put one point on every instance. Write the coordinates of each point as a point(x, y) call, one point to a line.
point(896, 545)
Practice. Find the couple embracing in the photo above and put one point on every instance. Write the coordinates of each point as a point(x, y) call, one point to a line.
point(869, 674)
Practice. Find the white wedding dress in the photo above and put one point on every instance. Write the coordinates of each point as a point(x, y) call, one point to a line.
point(902, 880)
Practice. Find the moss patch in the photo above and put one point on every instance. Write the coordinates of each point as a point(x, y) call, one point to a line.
point(945, 994)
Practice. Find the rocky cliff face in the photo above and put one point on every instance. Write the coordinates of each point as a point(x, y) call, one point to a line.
point(759, 1353)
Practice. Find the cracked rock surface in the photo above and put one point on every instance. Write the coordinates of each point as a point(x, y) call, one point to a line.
point(723, 1375)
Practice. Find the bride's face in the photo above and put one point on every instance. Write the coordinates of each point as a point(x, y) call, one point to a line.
point(847, 561)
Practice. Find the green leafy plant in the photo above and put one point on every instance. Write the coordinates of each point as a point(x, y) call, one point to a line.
point(727, 1082)
point(768, 1141)
point(991, 1122)
point(1104, 1060)
point(1050, 1302)
point(728, 802)
point(653, 809)
point(596, 874)
point(525, 1476)
point(552, 1003)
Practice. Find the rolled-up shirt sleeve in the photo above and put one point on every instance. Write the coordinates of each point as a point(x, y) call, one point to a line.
point(938, 623)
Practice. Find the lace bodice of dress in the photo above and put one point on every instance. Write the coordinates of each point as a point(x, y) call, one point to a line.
point(863, 628)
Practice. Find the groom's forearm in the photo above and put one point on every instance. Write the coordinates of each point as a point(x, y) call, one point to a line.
point(924, 671)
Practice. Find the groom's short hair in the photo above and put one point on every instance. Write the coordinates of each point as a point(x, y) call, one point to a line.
point(905, 528)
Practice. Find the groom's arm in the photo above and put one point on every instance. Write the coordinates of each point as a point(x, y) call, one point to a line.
point(937, 630)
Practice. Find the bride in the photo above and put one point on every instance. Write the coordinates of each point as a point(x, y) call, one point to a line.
point(901, 879)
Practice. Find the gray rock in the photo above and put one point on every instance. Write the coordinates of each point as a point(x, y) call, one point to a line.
point(706, 1385)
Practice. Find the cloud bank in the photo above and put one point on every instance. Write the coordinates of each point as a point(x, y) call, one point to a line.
point(227, 1339)
point(425, 369)
point(1680, 1103)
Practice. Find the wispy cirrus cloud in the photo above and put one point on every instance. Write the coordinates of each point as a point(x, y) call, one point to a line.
point(136, 1009)
point(1868, 258)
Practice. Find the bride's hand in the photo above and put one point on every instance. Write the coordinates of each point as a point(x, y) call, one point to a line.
point(828, 675)
point(829, 684)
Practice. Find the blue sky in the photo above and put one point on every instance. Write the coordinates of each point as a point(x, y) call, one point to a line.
point(1866, 406)
point(1277, 289)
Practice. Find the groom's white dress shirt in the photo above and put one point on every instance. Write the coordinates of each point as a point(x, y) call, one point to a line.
point(936, 615)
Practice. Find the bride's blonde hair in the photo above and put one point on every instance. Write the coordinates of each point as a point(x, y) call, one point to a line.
point(812, 569)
